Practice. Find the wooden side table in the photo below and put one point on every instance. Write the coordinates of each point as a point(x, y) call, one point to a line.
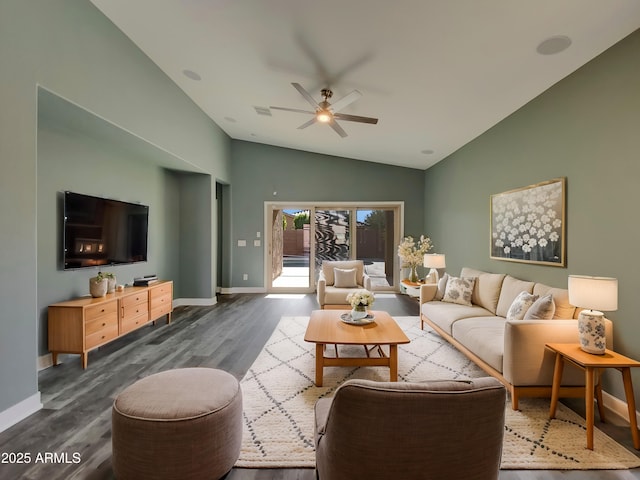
point(411, 288)
point(592, 365)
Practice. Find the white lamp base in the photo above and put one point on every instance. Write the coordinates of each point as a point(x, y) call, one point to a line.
point(591, 332)
point(432, 276)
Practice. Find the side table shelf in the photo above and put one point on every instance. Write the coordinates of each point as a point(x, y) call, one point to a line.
point(82, 324)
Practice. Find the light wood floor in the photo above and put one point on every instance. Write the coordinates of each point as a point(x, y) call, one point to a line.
point(76, 417)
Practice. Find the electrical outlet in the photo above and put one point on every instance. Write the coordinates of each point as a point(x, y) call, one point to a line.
point(245, 276)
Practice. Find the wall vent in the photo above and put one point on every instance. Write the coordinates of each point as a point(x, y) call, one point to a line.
point(263, 111)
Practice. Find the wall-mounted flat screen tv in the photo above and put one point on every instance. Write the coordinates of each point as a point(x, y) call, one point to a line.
point(100, 231)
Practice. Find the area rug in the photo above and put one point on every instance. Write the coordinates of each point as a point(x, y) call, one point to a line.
point(279, 394)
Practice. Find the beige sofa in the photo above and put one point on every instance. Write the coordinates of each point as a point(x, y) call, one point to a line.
point(333, 294)
point(512, 351)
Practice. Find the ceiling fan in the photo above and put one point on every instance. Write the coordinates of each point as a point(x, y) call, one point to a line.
point(325, 112)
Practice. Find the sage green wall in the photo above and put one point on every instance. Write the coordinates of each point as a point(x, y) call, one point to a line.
point(70, 48)
point(64, 159)
point(585, 128)
point(258, 170)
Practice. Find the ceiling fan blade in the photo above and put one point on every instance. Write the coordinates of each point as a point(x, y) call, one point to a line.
point(338, 129)
point(305, 94)
point(297, 110)
point(346, 100)
point(355, 118)
point(307, 124)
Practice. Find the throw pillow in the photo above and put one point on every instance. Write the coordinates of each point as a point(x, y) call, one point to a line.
point(520, 305)
point(442, 286)
point(345, 278)
point(459, 290)
point(542, 309)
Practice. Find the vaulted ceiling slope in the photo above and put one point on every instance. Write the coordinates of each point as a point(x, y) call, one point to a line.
point(436, 73)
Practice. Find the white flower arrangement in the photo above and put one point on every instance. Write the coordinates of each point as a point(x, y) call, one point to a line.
point(361, 298)
point(411, 252)
point(528, 223)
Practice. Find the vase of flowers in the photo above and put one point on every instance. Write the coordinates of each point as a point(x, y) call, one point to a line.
point(360, 300)
point(412, 254)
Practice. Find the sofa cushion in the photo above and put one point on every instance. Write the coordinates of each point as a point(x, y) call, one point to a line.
point(564, 310)
point(337, 296)
point(542, 309)
point(511, 288)
point(459, 290)
point(520, 305)
point(329, 265)
point(484, 336)
point(442, 286)
point(486, 290)
point(444, 315)
point(345, 278)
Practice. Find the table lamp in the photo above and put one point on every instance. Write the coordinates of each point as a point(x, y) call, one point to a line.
point(594, 294)
point(434, 261)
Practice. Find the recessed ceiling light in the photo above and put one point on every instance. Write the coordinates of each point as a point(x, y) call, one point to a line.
point(192, 75)
point(553, 45)
point(427, 152)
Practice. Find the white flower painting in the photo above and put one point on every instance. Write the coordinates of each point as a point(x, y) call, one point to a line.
point(528, 224)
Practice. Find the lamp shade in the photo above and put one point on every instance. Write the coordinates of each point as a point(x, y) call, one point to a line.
point(434, 260)
point(594, 293)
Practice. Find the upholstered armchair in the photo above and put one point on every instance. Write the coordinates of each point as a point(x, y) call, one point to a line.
point(337, 278)
point(432, 430)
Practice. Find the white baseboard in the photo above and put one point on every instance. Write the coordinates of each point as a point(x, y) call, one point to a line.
point(46, 361)
point(228, 291)
point(203, 302)
point(20, 411)
point(617, 407)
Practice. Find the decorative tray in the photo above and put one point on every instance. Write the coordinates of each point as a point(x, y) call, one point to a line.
point(346, 318)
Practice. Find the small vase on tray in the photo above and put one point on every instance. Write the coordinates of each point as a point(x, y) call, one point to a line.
point(358, 312)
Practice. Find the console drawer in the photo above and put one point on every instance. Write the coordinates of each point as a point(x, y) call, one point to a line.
point(95, 311)
point(100, 323)
point(135, 299)
point(102, 336)
point(133, 322)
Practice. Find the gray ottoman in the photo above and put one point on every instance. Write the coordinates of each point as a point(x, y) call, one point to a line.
point(179, 424)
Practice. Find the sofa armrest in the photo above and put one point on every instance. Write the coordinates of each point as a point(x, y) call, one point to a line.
point(428, 292)
point(320, 288)
point(527, 362)
point(366, 281)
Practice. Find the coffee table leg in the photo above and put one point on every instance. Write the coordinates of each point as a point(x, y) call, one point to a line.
point(393, 363)
point(319, 363)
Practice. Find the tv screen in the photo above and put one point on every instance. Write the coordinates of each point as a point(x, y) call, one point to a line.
point(101, 231)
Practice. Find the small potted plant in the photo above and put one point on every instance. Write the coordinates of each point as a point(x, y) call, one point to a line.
point(111, 281)
point(360, 300)
point(98, 285)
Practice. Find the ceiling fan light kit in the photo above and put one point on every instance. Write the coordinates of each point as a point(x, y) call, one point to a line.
point(325, 112)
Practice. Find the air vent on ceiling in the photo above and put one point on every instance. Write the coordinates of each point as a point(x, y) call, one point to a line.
point(263, 111)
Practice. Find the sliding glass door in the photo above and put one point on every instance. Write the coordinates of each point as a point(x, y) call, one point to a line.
point(301, 236)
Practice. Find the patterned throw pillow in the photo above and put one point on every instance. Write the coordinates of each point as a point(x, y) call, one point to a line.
point(459, 290)
point(542, 309)
point(520, 305)
point(442, 286)
point(345, 278)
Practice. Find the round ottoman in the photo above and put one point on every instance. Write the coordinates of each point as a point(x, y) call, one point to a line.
point(179, 424)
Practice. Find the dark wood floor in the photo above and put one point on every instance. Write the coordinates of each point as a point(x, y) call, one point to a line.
point(76, 418)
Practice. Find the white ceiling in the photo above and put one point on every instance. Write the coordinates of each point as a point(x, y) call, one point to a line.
point(437, 73)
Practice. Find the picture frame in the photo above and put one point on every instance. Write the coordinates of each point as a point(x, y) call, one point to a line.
point(528, 224)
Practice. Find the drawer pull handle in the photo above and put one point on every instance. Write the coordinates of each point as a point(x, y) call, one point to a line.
point(104, 324)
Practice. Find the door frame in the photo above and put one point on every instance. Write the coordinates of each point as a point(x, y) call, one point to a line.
point(270, 206)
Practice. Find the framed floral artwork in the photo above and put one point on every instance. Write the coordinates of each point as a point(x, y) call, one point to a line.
point(528, 224)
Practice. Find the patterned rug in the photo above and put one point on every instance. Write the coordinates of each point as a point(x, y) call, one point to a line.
point(279, 395)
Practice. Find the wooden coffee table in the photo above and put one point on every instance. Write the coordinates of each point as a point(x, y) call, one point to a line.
point(326, 328)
